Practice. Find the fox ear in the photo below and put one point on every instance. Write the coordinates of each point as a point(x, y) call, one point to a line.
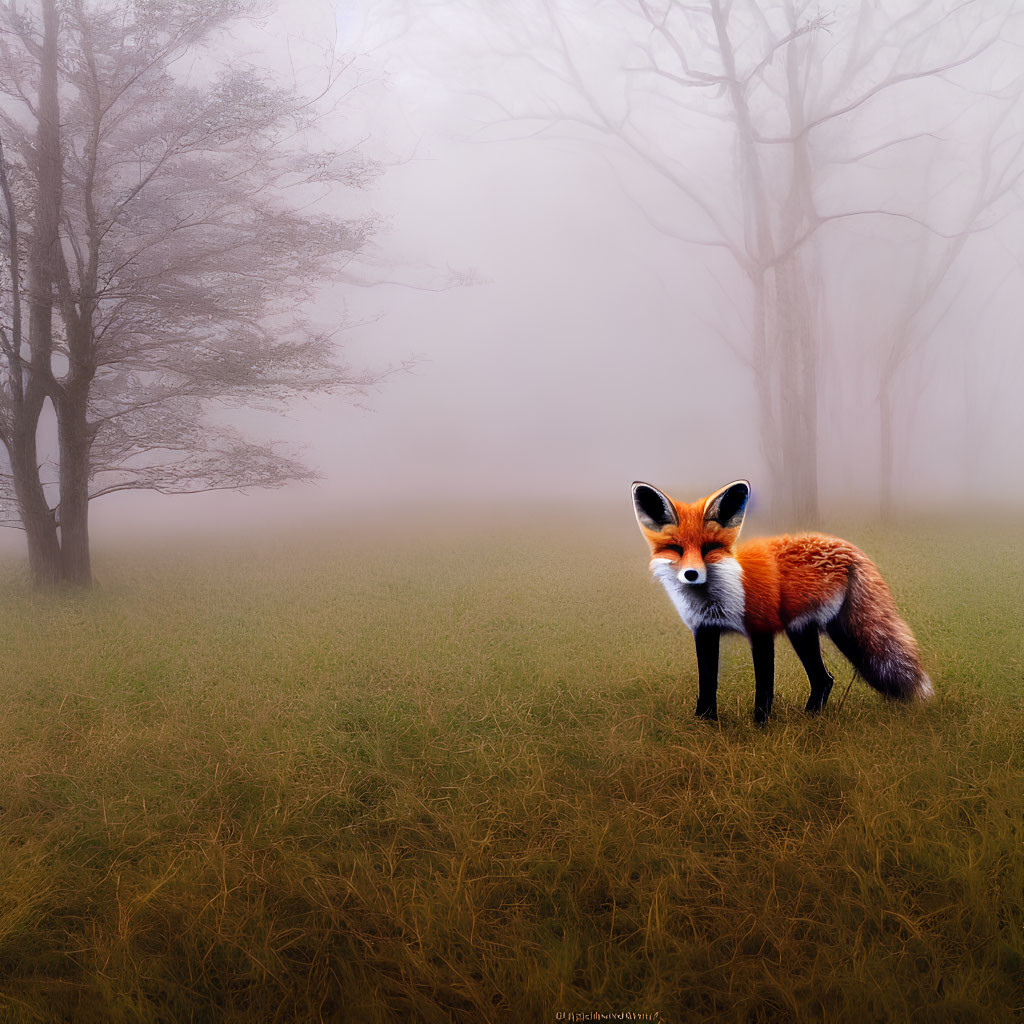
point(654, 510)
point(727, 506)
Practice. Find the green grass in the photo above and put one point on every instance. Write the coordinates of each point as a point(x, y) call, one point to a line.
point(416, 779)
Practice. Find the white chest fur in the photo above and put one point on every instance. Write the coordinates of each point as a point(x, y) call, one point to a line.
point(719, 602)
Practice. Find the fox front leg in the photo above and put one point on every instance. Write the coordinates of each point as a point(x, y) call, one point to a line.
point(706, 639)
point(762, 647)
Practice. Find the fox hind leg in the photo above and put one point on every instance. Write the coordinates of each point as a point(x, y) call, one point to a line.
point(808, 649)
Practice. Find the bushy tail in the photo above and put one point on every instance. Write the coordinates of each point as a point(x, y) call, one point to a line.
point(869, 631)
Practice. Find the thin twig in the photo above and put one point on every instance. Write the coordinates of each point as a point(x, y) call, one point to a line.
point(846, 691)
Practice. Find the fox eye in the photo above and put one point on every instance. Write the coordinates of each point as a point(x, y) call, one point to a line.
point(706, 549)
point(674, 548)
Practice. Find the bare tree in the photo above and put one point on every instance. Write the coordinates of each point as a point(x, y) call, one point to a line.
point(27, 382)
point(989, 188)
point(171, 230)
point(781, 86)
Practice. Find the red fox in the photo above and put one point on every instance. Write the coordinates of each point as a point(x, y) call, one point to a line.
point(800, 584)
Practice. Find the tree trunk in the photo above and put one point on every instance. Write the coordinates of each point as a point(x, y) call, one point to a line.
point(805, 356)
point(74, 440)
point(800, 320)
point(767, 422)
point(44, 557)
point(786, 352)
point(794, 368)
point(22, 419)
point(40, 529)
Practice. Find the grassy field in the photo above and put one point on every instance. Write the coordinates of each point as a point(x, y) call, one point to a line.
point(406, 778)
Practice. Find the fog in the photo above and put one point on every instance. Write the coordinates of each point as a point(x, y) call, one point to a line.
point(563, 319)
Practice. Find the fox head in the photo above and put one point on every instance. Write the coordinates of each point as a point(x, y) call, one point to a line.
point(690, 538)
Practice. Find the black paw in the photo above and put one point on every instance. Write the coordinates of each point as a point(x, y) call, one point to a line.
point(761, 715)
point(707, 712)
point(818, 699)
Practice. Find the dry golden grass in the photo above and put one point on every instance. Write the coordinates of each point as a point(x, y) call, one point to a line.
point(434, 781)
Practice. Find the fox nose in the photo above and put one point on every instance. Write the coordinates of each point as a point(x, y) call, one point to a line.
point(692, 575)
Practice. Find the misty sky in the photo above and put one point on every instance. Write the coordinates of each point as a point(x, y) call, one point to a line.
point(589, 352)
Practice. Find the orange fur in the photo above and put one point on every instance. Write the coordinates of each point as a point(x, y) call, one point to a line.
point(789, 577)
